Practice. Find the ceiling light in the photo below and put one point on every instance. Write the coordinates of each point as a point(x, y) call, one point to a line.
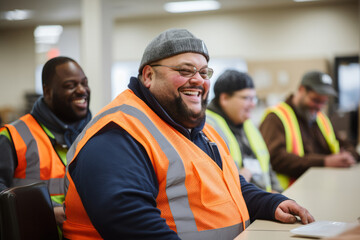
point(48, 34)
point(191, 6)
point(17, 14)
point(305, 0)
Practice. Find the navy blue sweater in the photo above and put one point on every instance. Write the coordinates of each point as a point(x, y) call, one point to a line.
point(118, 186)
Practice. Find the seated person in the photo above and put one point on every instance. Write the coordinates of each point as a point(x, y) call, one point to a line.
point(229, 113)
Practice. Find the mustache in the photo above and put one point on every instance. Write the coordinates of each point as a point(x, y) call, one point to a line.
point(193, 87)
point(81, 96)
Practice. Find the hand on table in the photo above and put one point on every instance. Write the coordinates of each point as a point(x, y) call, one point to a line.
point(342, 159)
point(288, 209)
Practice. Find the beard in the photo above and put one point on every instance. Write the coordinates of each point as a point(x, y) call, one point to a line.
point(64, 111)
point(304, 112)
point(181, 114)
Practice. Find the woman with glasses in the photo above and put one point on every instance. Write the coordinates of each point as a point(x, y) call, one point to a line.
point(229, 113)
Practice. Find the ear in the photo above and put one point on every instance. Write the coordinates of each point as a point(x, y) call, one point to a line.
point(223, 98)
point(47, 92)
point(147, 76)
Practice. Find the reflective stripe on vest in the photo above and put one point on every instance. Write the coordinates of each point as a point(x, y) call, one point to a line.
point(225, 132)
point(294, 143)
point(328, 132)
point(257, 144)
point(176, 190)
point(37, 159)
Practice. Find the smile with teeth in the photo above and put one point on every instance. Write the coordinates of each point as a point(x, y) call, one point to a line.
point(192, 93)
point(80, 101)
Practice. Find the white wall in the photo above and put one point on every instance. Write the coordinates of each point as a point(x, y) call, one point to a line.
point(323, 31)
point(306, 32)
point(17, 66)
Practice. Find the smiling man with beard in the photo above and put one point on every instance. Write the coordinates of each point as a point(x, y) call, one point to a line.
point(299, 136)
point(33, 148)
point(148, 167)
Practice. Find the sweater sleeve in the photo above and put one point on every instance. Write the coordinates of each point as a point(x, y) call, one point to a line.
point(260, 204)
point(118, 187)
point(347, 146)
point(8, 160)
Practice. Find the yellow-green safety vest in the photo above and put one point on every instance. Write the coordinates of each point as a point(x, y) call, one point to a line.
point(294, 143)
point(257, 144)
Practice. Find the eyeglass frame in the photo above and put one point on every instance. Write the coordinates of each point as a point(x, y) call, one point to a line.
point(179, 69)
point(253, 99)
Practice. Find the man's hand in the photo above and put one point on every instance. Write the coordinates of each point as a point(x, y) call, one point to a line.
point(288, 209)
point(246, 174)
point(342, 159)
point(59, 215)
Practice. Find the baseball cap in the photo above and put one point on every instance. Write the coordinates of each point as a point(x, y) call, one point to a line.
point(319, 82)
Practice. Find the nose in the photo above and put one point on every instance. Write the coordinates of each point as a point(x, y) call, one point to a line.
point(319, 105)
point(197, 79)
point(252, 104)
point(81, 89)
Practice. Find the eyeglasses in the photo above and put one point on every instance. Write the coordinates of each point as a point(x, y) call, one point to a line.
point(189, 71)
point(252, 99)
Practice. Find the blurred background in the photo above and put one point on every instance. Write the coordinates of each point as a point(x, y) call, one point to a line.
point(276, 41)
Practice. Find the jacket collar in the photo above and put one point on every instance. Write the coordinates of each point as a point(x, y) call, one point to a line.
point(63, 133)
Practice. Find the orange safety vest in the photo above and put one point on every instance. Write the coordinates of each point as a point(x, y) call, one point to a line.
point(197, 199)
point(294, 143)
point(37, 158)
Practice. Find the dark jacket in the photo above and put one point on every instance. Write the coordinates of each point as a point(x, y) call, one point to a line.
point(113, 165)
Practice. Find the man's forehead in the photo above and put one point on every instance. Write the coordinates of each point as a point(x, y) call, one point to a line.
point(318, 95)
point(186, 58)
point(67, 69)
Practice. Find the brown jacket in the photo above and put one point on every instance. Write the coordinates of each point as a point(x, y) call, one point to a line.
point(315, 146)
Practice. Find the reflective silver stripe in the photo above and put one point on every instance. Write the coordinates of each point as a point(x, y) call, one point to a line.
point(175, 177)
point(212, 121)
point(215, 234)
point(32, 155)
point(56, 185)
point(71, 152)
point(32, 172)
point(175, 189)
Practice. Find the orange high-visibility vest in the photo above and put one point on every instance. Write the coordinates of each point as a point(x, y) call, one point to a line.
point(294, 143)
point(207, 202)
point(37, 158)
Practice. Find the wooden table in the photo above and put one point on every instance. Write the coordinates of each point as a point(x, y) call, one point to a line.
point(331, 194)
